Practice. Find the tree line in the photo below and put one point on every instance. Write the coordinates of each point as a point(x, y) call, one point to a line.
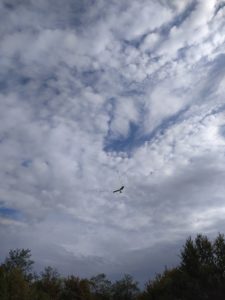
point(200, 275)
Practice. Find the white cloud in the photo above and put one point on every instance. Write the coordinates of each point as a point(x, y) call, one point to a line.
point(140, 18)
point(77, 79)
point(125, 112)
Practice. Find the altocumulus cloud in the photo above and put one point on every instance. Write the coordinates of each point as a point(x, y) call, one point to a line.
point(95, 92)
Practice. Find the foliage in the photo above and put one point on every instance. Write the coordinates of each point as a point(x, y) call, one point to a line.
point(20, 259)
point(50, 283)
point(101, 287)
point(200, 275)
point(125, 289)
point(76, 289)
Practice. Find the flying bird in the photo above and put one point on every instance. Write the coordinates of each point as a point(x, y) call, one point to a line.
point(119, 190)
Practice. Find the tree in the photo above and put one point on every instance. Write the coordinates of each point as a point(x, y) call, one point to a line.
point(200, 274)
point(19, 259)
point(125, 289)
point(3, 284)
point(101, 287)
point(190, 260)
point(219, 255)
point(219, 265)
point(15, 275)
point(50, 283)
point(17, 286)
point(76, 289)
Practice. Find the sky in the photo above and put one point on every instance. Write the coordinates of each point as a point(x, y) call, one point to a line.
point(96, 94)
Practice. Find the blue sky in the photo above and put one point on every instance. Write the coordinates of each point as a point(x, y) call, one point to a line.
point(95, 93)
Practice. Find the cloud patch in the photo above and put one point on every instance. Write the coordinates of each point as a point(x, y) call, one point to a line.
point(96, 96)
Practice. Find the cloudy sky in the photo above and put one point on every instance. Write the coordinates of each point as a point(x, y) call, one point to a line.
point(95, 94)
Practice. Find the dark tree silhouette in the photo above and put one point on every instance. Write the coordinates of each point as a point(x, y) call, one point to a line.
point(125, 289)
point(20, 259)
point(101, 287)
point(200, 275)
